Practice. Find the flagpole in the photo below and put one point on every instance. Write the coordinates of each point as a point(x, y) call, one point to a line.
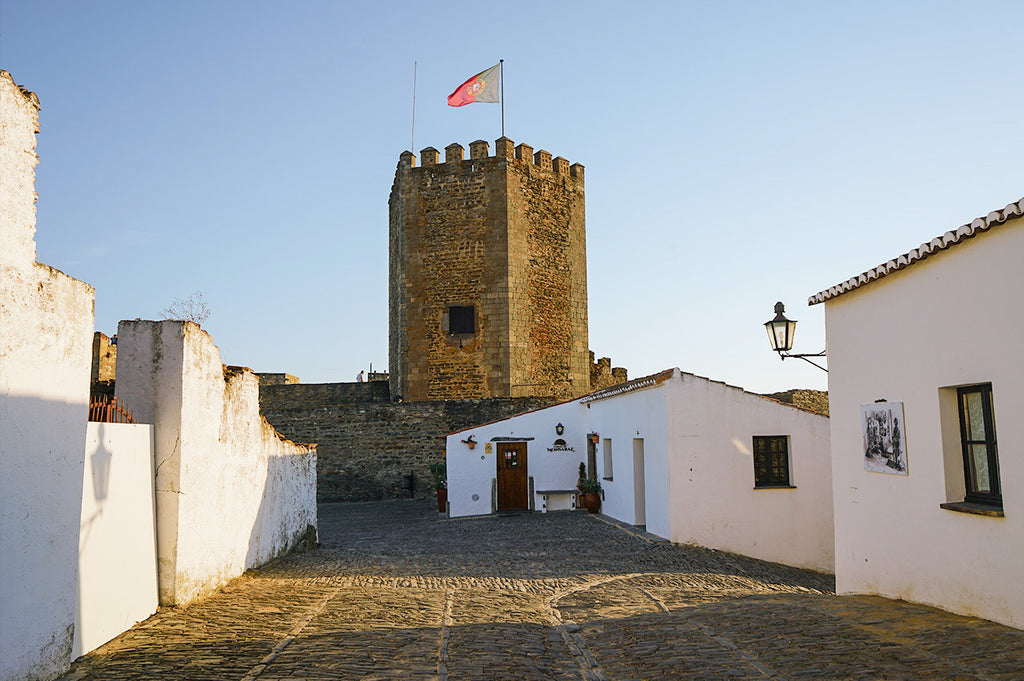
point(501, 72)
point(412, 141)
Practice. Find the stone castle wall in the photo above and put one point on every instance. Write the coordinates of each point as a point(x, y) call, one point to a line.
point(812, 400)
point(502, 234)
point(367, 445)
point(104, 358)
point(277, 379)
point(603, 375)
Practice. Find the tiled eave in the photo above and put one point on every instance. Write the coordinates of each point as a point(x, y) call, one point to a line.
point(628, 386)
point(939, 243)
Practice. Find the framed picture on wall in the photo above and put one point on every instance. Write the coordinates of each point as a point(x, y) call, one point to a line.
point(885, 437)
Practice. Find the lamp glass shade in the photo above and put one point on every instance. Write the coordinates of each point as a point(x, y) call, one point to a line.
point(780, 333)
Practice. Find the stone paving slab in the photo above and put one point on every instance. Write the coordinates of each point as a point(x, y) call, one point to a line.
point(396, 592)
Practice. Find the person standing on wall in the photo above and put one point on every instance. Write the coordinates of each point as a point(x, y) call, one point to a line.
point(361, 377)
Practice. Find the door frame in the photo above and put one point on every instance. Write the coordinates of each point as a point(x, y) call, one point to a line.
point(639, 483)
point(522, 488)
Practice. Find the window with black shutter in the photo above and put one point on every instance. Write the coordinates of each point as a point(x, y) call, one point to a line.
point(771, 461)
point(978, 444)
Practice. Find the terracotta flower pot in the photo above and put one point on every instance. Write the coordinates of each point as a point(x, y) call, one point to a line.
point(591, 502)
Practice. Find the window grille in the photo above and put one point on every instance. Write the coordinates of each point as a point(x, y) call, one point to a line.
point(771, 461)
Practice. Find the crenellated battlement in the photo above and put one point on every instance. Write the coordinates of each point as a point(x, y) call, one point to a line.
point(504, 149)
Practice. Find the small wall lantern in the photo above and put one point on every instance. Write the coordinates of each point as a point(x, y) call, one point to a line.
point(780, 335)
point(559, 429)
point(781, 330)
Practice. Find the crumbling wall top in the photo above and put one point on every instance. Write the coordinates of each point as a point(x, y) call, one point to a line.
point(25, 92)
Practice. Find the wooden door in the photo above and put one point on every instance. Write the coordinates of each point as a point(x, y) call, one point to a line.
point(513, 479)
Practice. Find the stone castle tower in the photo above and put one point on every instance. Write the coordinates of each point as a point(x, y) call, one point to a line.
point(488, 275)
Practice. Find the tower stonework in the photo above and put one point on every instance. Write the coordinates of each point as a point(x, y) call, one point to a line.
point(488, 282)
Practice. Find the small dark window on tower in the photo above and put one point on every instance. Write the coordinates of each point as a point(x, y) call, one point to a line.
point(461, 320)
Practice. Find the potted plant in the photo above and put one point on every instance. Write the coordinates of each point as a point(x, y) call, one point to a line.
point(590, 491)
point(439, 471)
point(470, 441)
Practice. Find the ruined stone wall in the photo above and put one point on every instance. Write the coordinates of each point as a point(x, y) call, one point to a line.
point(368, 445)
point(502, 234)
point(603, 375)
point(104, 358)
point(277, 379)
point(813, 400)
point(314, 396)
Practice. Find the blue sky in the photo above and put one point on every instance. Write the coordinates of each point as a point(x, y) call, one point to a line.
point(736, 153)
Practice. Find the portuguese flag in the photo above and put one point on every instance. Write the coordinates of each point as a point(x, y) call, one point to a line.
point(483, 87)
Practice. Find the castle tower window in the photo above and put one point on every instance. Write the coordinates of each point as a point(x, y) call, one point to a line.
point(461, 320)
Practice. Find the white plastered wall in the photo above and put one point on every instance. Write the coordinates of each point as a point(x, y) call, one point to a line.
point(230, 493)
point(117, 543)
point(714, 501)
point(46, 325)
point(640, 414)
point(954, 319)
point(471, 472)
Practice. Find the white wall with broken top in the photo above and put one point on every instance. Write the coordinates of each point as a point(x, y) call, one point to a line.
point(230, 492)
point(46, 325)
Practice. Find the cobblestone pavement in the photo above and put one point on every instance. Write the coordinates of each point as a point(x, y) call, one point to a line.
point(396, 592)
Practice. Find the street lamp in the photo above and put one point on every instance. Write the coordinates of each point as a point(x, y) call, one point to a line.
point(780, 335)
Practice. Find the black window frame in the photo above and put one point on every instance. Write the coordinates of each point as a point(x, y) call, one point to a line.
point(994, 496)
point(458, 315)
point(775, 474)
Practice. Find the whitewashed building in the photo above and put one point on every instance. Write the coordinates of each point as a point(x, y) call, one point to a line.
point(527, 462)
point(693, 460)
point(932, 510)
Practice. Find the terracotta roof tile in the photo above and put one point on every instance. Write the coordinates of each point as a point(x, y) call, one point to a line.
point(628, 386)
point(939, 243)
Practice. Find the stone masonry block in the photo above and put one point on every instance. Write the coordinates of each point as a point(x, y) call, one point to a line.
point(503, 148)
point(524, 153)
point(454, 153)
point(479, 149)
point(429, 156)
point(543, 159)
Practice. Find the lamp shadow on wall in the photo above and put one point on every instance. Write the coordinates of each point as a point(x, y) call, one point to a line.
point(117, 559)
point(96, 477)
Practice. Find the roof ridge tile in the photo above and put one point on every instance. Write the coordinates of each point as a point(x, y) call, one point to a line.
point(939, 243)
